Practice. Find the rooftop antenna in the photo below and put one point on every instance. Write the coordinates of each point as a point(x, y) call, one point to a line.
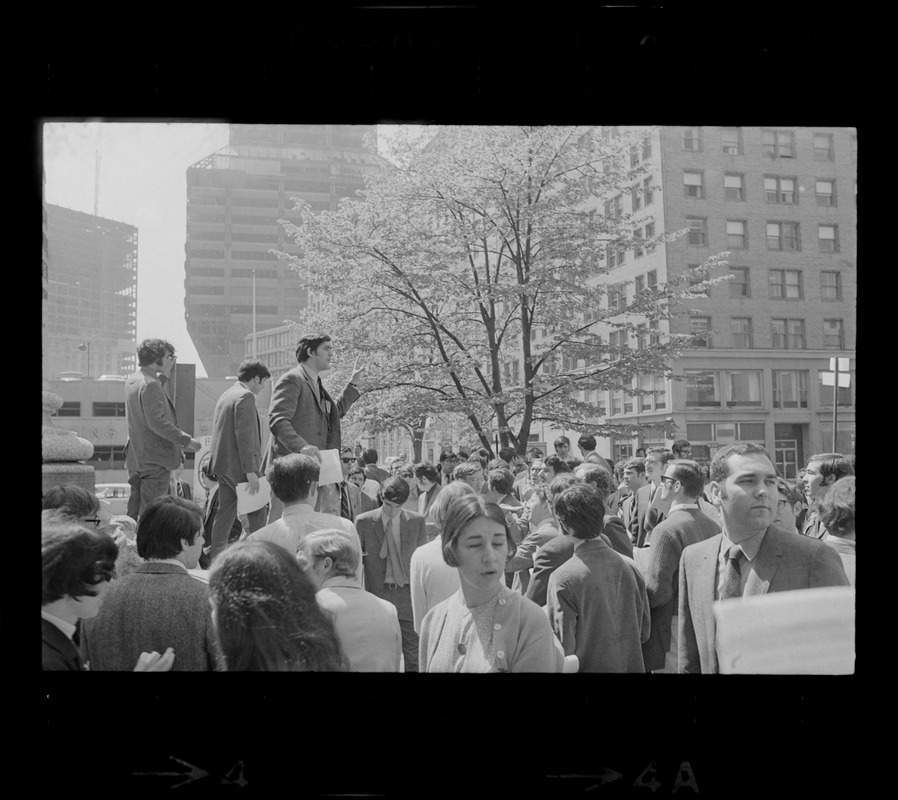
point(97, 184)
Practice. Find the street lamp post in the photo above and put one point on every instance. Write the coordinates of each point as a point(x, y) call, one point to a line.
point(86, 346)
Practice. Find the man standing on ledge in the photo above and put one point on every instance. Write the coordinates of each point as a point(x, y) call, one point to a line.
point(154, 439)
point(302, 417)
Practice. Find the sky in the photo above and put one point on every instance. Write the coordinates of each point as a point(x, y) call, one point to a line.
point(143, 182)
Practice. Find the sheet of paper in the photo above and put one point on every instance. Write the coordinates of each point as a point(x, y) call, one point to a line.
point(330, 467)
point(247, 502)
point(802, 632)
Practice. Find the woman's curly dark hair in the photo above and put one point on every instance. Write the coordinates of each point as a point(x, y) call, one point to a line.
point(266, 614)
point(74, 559)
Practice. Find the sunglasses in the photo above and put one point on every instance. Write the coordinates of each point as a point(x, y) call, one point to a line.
point(347, 460)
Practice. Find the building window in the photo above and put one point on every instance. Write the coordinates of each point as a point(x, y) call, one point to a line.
point(731, 138)
point(790, 388)
point(830, 286)
point(692, 139)
point(634, 156)
point(787, 334)
point(613, 209)
point(617, 402)
point(833, 334)
point(700, 328)
point(783, 236)
point(743, 388)
point(698, 233)
point(69, 409)
point(739, 286)
point(648, 191)
point(651, 279)
point(654, 335)
point(780, 190)
point(637, 243)
point(740, 330)
point(639, 283)
point(617, 299)
point(109, 409)
point(828, 238)
point(778, 144)
point(611, 256)
point(826, 193)
point(650, 232)
point(702, 389)
point(734, 186)
point(636, 198)
point(823, 147)
point(826, 395)
point(786, 284)
point(736, 238)
point(647, 148)
point(693, 184)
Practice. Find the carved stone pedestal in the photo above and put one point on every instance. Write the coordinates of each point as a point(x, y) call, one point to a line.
point(62, 451)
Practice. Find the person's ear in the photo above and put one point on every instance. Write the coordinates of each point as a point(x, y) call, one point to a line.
point(715, 493)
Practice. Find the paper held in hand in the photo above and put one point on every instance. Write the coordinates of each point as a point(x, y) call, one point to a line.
point(246, 502)
point(330, 467)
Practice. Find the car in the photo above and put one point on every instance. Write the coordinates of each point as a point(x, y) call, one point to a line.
point(114, 497)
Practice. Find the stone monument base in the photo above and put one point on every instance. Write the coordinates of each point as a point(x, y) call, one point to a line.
point(62, 473)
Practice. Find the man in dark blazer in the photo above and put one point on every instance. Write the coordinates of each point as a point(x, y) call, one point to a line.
point(389, 536)
point(639, 515)
point(349, 500)
point(235, 454)
point(751, 556)
point(684, 524)
point(596, 601)
point(155, 441)
point(159, 605)
point(303, 418)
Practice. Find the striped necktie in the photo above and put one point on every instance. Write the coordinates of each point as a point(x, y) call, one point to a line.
point(732, 576)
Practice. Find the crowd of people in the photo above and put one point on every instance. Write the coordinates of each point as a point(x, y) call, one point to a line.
point(522, 562)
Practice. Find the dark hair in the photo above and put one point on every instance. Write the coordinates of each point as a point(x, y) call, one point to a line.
point(466, 468)
point(587, 441)
point(595, 475)
point(291, 476)
point(370, 456)
point(447, 454)
point(164, 523)
point(252, 368)
point(355, 469)
point(395, 489)
point(833, 464)
point(266, 615)
point(501, 480)
point(837, 507)
point(788, 492)
point(561, 440)
point(74, 559)
point(152, 351)
point(73, 500)
point(427, 470)
point(637, 464)
point(507, 454)
point(581, 510)
point(720, 467)
point(309, 344)
point(660, 454)
point(573, 462)
point(679, 444)
point(689, 474)
point(557, 464)
point(560, 483)
point(459, 512)
point(462, 454)
point(535, 452)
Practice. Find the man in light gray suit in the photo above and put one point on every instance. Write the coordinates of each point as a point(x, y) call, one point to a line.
point(155, 441)
point(751, 556)
point(235, 453)
point(303, 418)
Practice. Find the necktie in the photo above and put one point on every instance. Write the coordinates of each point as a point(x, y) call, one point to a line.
point(76, 636)
point(732, 577)
point(345, 510)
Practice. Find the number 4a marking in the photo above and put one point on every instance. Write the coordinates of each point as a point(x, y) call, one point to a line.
point(235, 775)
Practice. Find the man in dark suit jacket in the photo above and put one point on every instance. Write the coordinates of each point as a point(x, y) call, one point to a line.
point(349, 500)
point(303, 418)
point(751, 556)
point(372, 471)
point(639, 514)
point(235, 454)
point(155, 441)
point(684, 524)
point(389, 536)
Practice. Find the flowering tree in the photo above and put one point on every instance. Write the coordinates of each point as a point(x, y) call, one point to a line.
point(472, 275)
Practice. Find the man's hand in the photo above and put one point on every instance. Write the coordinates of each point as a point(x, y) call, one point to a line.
point(195, 445)
point(311, 450)
point(357, 370)
point(153, 662)
point(253, 482)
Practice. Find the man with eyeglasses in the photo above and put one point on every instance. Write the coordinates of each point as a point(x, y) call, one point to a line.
point(788, 507)
point(639, 512)
point(684, 524)
point(351, 500)
point(155, 441)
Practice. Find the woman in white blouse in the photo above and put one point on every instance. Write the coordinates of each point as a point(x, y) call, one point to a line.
point(484, 626)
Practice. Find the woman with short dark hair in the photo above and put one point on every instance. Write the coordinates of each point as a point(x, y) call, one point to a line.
point(265, 613)
point(484, 627)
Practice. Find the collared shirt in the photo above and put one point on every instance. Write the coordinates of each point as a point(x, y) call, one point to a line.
point(66, 627)
point(678, 506)
point(390, 525)
point(750, 548)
